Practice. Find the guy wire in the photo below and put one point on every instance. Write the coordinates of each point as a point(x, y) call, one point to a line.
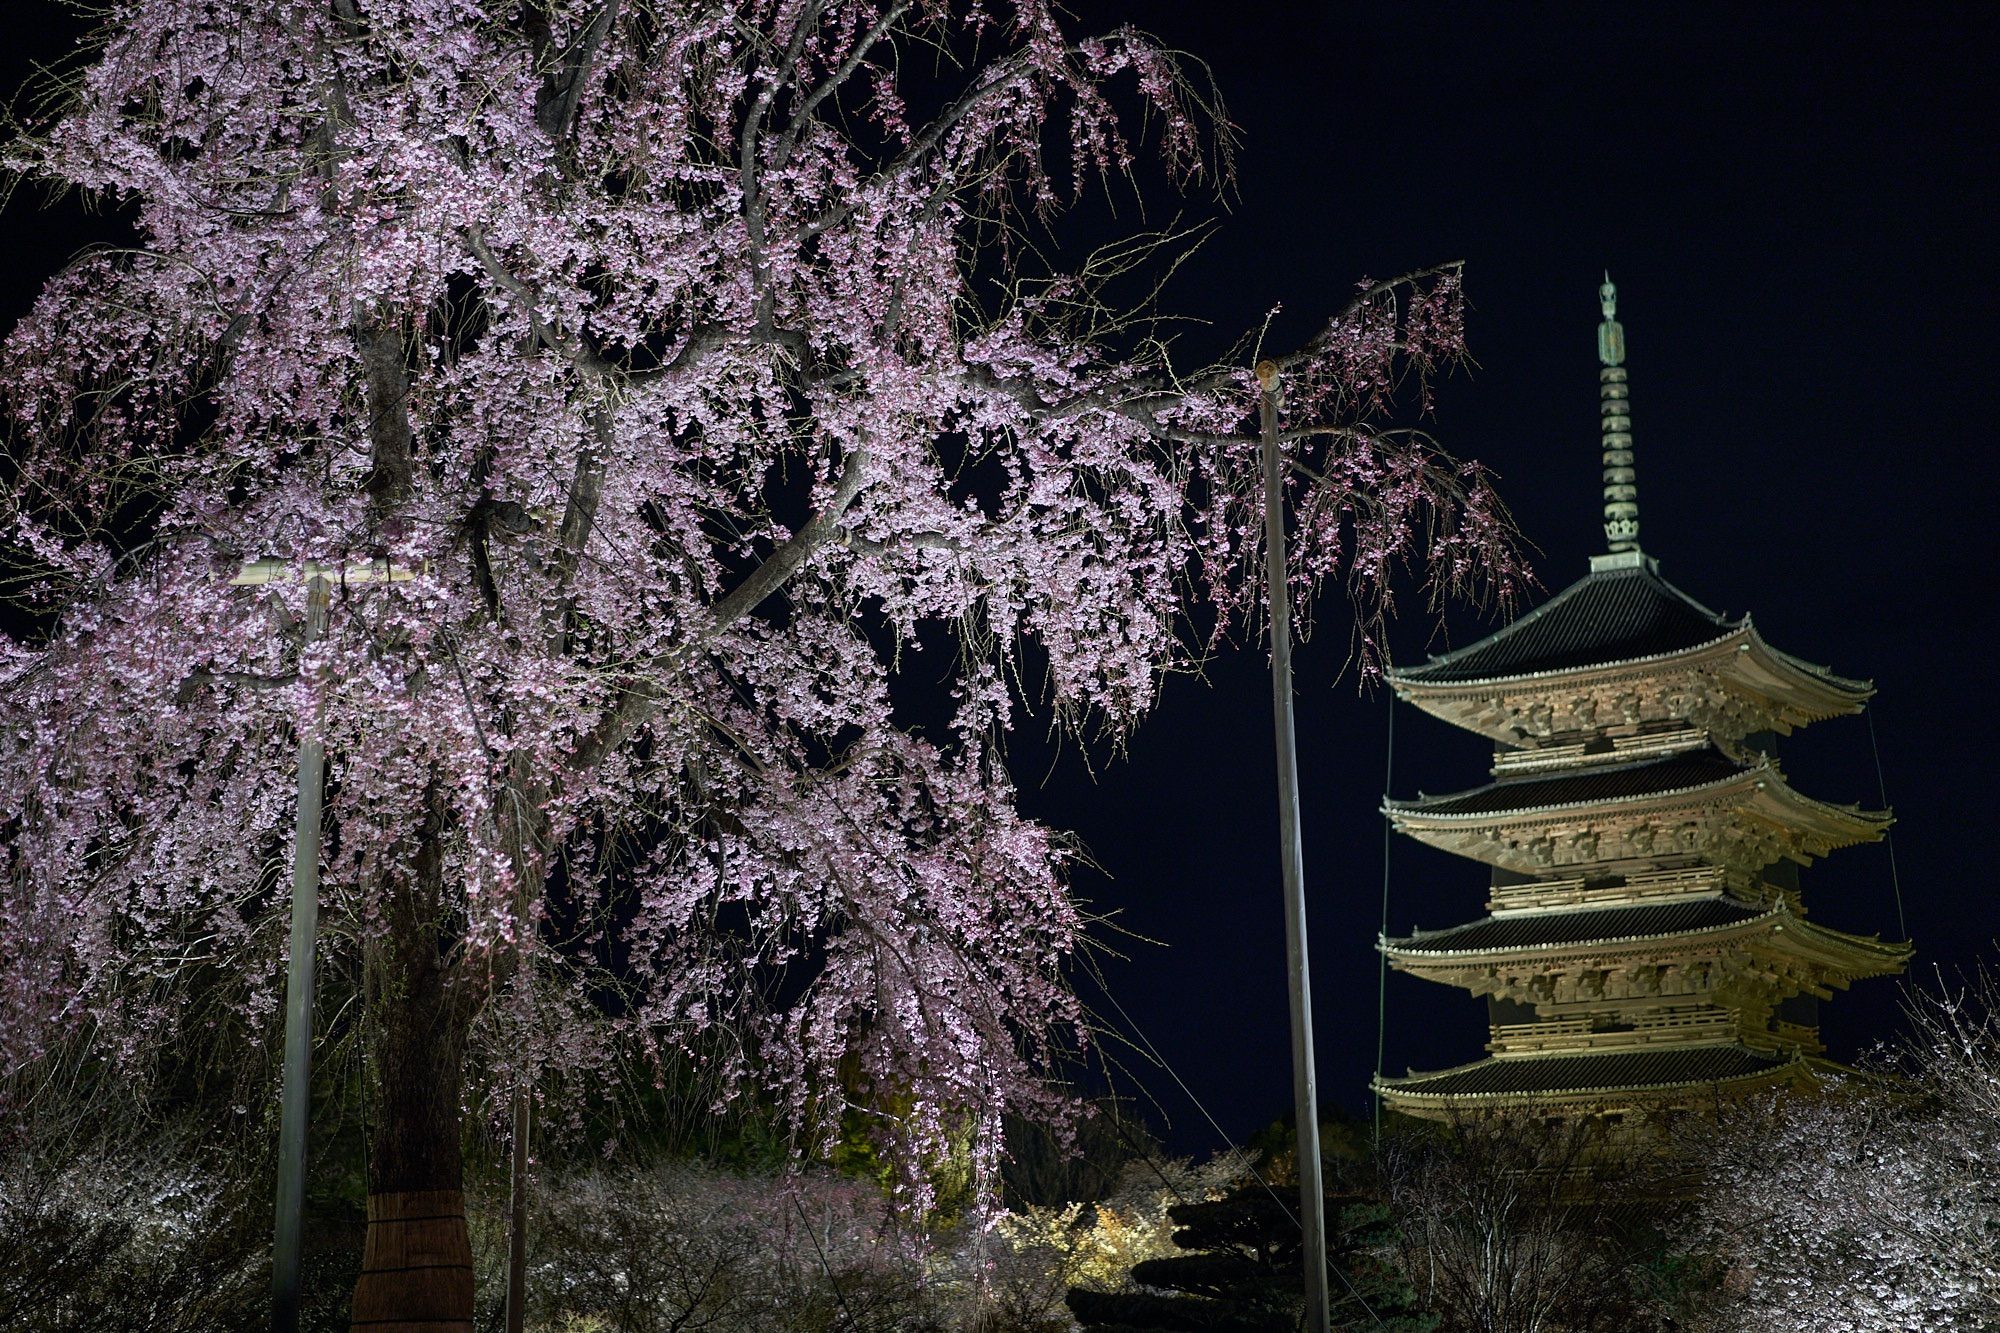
point(1888, 835)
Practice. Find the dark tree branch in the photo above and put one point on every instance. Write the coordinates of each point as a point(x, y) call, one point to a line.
point(746, 164)
point(778, 568)
point(788, 141)
point(639, 697)
point(702, 339)
point(586, 489)
point(392, 476)
point(562, 88)
point(915, 541)
point(1000, 77)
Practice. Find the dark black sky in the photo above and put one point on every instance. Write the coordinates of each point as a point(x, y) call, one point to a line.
point(1797, 205)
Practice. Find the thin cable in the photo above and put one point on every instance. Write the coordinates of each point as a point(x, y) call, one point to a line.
point(1230, 1143)
point(1139, 1150)
point(1381, 955)
point(1220, 1133)
point(361, 1040)
point(1889, 834)
point(825, 1267)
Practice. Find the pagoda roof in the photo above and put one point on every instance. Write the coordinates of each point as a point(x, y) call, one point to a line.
point(1661, 1070)
point(1609, 617)
point(1644, 926)
point(1689, 770)
point(1528, 930)
point(1763, 816)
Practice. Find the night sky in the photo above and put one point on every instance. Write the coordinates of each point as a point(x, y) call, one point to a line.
point(1797, 206)
point(1798, 214)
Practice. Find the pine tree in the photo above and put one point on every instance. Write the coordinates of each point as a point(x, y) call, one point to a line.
point(1241, 1272)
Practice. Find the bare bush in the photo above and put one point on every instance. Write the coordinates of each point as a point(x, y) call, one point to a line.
point(1505, 1227)
point(1874, 1208)
point(127, 1230)
point(649, 1249)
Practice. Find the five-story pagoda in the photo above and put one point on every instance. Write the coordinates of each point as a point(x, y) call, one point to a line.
point(1647, 948)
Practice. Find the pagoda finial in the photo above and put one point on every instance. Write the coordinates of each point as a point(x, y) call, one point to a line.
point(1621, 489)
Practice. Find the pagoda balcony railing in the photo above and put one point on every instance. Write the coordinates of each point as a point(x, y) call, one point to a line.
point(1562, 1035)
point(1578, 754)
point(1643, 886)
point(1787, 1036)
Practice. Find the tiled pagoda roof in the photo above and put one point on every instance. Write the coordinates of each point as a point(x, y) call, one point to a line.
point(1590, 926)
point(1664, 1069)
point(1607, 616)
point(1679, 772)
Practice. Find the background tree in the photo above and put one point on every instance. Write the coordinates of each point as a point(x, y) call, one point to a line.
point(120, 1216)
point(1507, 1226)
point(1076, 1162)
point(693, 362)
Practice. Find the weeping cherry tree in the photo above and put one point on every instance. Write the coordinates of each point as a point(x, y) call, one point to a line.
point(691, 366)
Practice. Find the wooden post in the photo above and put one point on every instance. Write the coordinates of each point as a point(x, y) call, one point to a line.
point(1305, 1093)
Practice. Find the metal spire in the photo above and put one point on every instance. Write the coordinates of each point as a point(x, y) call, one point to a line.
point(1621, 489)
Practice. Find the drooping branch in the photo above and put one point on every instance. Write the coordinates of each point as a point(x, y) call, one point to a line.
point(997, 78)
point(801, 118)
point(549, 335)
point(700, 341)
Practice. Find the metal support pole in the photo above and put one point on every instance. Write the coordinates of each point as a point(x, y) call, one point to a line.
point(1382, 958)
point(1305, 1093)
point(296, 1103)
point(517, 1212)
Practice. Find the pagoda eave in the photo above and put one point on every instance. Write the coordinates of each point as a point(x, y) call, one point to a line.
point(1839, 692)
point(1568, 932)
point(1418, 689)
point(1755, 815)
point(1500, 1083)
point(1834, 952)
point(1734, 684)
point(1622, 612)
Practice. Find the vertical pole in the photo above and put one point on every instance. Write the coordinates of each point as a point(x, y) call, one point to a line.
point(517, 1211)
point(516, 1307)
point(296, 1098)
point(1305, 1094)
point(1382, 957)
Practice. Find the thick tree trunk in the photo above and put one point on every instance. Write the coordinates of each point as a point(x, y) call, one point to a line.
point(416, 1266)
